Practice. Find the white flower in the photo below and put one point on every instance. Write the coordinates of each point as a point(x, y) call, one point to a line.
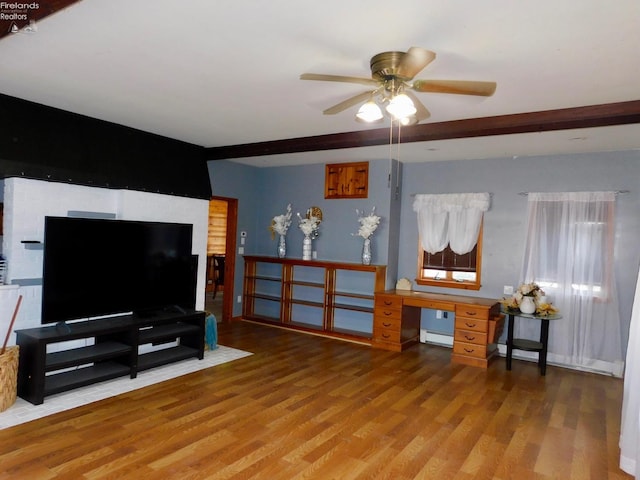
point(368, 223)
point(280, 223)
point(309, 225)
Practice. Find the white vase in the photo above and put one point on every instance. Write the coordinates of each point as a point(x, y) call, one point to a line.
point(527, 305)
point(306, 248)
point(282, 247)
point(366, 252)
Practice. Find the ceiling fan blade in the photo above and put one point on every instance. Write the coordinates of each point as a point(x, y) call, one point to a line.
point(421, 111)
point(413, 61)
point(349, 102)
point(338, 78)
point(463, 87)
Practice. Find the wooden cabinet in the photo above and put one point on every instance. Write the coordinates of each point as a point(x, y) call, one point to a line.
point(395, 326)
point(110, 351)
point(346, 180)
point(330, 298)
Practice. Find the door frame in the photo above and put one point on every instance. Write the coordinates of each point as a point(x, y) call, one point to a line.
point(230, 257)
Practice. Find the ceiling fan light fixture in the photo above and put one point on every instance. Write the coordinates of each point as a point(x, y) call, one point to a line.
point(401, 106)
point(369, 112)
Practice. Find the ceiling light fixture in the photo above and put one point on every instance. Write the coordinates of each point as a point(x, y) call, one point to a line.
point(401, 106)
point(369, 112)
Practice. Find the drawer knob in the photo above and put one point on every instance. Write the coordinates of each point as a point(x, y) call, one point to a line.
point(387, 313)
point(386, 324)
point(387, 302)
point(470, 325)
point(385, 335)
point(469, 338)
point(471, 313)
point(469, 350)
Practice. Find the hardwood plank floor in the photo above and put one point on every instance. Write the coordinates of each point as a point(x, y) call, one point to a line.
point(306, 407)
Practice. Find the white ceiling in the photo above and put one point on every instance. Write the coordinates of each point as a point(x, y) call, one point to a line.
point(226, 72)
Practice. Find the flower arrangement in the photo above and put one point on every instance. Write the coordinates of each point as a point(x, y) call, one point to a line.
point(368, 223)
point(309, 225)
point(281, 223)
point(530, 290)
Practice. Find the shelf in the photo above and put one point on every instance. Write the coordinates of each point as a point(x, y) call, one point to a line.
point(363, 296)
point(306, 326)
point(80, 377)
point(308, 303)
point(164, 332)
point(527, 345)
point(353, 333)
point(263, 296)
point(267, 278)
point(165, 356)
point(265, 318)
point(83, 355)
point(355, 308)
point(306, 284)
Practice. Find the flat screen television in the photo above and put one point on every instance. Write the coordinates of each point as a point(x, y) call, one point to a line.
point(97, 267)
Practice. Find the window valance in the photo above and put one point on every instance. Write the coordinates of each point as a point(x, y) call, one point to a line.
point(452, 219)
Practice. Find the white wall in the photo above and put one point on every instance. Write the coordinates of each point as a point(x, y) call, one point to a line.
point(27, 202)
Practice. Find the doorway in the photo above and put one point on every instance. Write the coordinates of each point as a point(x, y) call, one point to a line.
point(221, 247)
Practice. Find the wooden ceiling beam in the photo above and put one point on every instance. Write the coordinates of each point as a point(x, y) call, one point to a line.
point(621, 113)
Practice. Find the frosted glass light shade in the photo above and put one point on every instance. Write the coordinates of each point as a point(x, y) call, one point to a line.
point(401, 106)
point(369, 112)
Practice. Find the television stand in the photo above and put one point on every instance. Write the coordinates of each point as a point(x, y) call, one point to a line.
point(111, 350)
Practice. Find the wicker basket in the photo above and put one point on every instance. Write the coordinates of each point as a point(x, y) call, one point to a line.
point(8, 377)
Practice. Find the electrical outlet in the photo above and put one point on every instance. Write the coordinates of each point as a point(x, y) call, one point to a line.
point(438, 313)
point(508, 290)
point(239, 298)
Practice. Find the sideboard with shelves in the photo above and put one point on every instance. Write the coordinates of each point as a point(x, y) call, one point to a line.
point(330, 298)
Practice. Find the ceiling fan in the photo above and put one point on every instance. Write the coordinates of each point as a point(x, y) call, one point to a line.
point(393, 86)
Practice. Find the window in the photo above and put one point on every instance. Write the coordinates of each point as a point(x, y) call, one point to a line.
point(448, 269)
point(585, 230)
point(450, 238)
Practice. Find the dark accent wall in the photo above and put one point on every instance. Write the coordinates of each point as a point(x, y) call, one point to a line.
point(46, 143)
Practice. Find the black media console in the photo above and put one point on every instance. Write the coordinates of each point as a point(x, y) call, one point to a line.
point(111, 350)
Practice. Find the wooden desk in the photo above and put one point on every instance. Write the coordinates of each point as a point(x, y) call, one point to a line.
point(478, 323)
point(529, 345)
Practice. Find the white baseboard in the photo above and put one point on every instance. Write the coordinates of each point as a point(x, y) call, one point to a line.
point(615, 369)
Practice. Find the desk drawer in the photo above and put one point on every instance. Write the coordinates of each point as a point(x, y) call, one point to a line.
point(466, 336)
point(470, 349)
point(472, 311)
point(392, 313)
point(387, 335)
point(471, 324)
point(388, 302)
point(388, 323)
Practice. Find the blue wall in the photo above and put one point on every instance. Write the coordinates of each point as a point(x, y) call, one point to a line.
point(265, 192)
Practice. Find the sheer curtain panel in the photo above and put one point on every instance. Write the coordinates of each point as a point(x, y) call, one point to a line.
point(630, 419)
point(452, 219)
point(569, 253)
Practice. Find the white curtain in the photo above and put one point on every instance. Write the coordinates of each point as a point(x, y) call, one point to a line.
point(630, 420)
point(569, 253)
point(452, 219)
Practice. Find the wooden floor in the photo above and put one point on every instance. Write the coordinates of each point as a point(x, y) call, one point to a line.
point(310, 407)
